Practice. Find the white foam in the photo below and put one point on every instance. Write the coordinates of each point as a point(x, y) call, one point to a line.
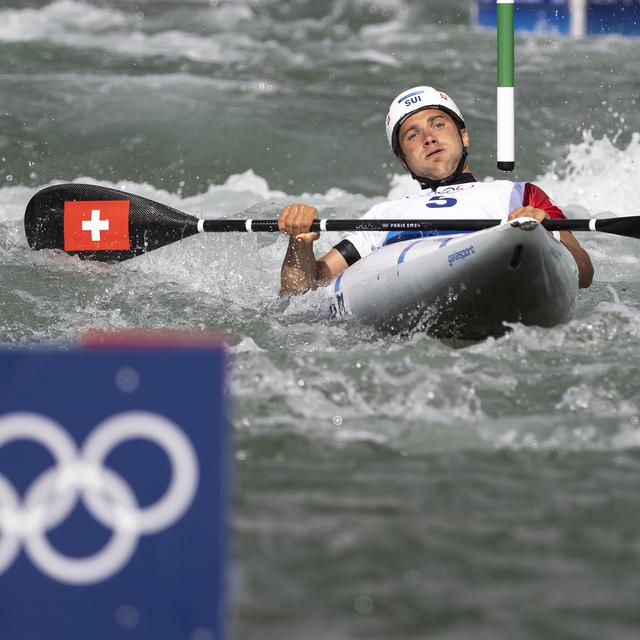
point(246, 345)
point(598, 174)
point(13, 201)
point(249, 181)
point(57, 19)
point(375, 57)
point(233, 31)
point(76, 24)
point(402, 185)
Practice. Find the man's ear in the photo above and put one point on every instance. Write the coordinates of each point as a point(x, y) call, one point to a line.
point(464, 134)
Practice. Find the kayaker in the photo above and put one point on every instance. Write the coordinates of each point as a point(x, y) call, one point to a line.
point(427, 133)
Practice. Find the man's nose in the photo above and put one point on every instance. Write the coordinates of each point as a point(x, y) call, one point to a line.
point(428, 138)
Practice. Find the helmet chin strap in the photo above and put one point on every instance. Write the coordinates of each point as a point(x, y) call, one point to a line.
point(427, 183)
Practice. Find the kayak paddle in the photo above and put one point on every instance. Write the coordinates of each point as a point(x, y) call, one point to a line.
point(100, 223)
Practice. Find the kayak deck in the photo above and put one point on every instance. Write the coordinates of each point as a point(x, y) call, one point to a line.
point(463, 286)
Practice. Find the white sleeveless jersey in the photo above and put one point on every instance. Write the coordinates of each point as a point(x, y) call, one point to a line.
point(472, 200)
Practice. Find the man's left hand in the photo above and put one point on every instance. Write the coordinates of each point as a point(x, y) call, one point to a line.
point(528, 212)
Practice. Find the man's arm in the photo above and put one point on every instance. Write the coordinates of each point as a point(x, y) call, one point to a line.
point(300, 269)
point(583, 261)
point(585, 267)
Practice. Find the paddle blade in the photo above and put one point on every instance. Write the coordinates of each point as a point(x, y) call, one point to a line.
point(99, 223)
point(623, 226)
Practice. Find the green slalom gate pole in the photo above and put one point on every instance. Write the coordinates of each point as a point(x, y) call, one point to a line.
point(506, 154)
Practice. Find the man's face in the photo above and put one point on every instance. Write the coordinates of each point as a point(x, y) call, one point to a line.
point(431, 144)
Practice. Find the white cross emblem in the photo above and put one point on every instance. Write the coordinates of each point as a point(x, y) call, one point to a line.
point(95, 225)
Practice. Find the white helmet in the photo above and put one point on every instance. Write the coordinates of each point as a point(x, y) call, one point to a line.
point(416, 99)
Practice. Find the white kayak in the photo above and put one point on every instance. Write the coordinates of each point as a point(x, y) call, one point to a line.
point(462, 286)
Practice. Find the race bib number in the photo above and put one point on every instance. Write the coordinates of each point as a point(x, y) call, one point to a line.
point(440, 202)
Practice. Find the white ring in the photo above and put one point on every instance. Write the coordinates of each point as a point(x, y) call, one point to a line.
point(50, 435)
point(9, 537)
point(184, 466)
point(33, 426)
point(99, 566)
point(247, 224)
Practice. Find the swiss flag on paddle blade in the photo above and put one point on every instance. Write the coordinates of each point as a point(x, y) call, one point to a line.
point(91, 225)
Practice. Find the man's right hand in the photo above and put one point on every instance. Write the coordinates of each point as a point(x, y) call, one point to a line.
point(295, 220)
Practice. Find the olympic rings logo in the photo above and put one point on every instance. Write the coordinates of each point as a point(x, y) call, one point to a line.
point(54, 494)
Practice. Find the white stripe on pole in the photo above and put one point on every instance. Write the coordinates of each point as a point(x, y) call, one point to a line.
point(506, 124)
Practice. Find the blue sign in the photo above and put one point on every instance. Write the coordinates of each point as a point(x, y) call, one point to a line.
point(554, 16)
point(529, 15)
point(613, 16)
point(112, 494)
